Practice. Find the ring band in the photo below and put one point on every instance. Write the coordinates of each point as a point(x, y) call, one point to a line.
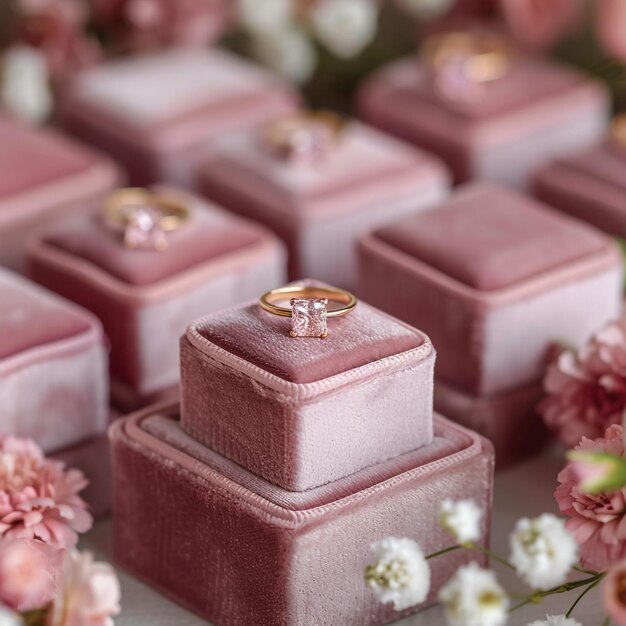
point(173, 213)
point(145, 217)
point(618, 130)
point(309, 307)
point(486, 56)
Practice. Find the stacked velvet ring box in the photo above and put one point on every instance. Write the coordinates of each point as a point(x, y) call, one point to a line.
point(489, 274)
point(305, 450)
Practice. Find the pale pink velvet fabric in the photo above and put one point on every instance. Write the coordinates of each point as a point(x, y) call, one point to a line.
point(321, 210)
point(53, 367)
point(273, 404)
point(238, 550)
point(159, 114)
point(521, 297)
point(509, 420)
point(146, 299)
point(590, 185)
point(43, 177)
point(536, 112)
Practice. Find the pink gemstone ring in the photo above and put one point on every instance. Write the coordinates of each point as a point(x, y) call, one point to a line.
point(305, 138)
point(308, 308)
point(462, 63)
point(145, 218)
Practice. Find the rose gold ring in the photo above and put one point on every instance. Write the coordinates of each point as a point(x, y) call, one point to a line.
point(145, 217)
point(307, 137)
point(484, 57)
point(618, 130)
point(308, 308)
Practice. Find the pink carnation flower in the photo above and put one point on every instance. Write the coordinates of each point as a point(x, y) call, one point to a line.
point(39, 497)
point(57, 28)
point(587, 390)
point(149, 24)
point(540, 23)
point(90, 595)
point(30, 573)
point(598, 522)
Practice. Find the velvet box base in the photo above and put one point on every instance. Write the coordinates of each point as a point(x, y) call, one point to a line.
point(509, 420)
point(238, 550)
point(537, 111)
point(273, 404)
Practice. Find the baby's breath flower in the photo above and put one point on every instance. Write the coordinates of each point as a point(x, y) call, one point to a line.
point(473, 597)
point(556, 620)
point(542, 551)
point(462, 519)
point(400, 574)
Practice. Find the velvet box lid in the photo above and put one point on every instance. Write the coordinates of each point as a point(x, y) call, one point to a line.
point(53, 379)
point(241, 527)
point(590, 185)
point(356, 398)
point(537, 110)
point(320, 209)
point(170, 100)
point(145, 298)
point(492, 273)
point(42, 175)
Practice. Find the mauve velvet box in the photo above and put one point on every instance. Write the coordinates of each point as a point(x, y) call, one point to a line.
point(43, 176)
point(145, 299)
point(239, 550)
point(537, 111)
point(590, 185)
point(53, 367)
point(320, 210)
point(304, 412)
point(159, 114)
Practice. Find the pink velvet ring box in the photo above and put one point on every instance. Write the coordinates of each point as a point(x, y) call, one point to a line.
point(590, 185)
point(537, 111)
point(253, 553)
point(320, 209)
point(53, 367)
point(304, 412)
point(43, 176)
point(159, 114)
point(495, 279)
point(145, 299)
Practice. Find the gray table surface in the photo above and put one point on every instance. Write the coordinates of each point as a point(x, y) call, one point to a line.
point(525, 489)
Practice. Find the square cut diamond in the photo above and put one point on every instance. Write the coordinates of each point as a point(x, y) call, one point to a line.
point(308, 317)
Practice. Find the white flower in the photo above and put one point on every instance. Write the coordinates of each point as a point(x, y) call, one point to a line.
point(25, 89)
point(426, 9)
point(556, 620)
point(289, 52)
point(543, 551)
point(473, 597)
point(400, 573)
point(265, 16)
point(462, 519)
point(9, 618)
point(345, 27)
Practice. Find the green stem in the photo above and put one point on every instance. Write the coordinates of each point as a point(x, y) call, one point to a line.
point(607, 621)
point(491, 555)
point(444, 551)
point(581, 596)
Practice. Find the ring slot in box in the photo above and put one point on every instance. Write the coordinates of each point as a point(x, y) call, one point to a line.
point(277, 405)
point(535, 112)
point(238, 550)
point(146, 298)
point(159, 114)
point(319, 210)
point(53, 367)
point(44, 176)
